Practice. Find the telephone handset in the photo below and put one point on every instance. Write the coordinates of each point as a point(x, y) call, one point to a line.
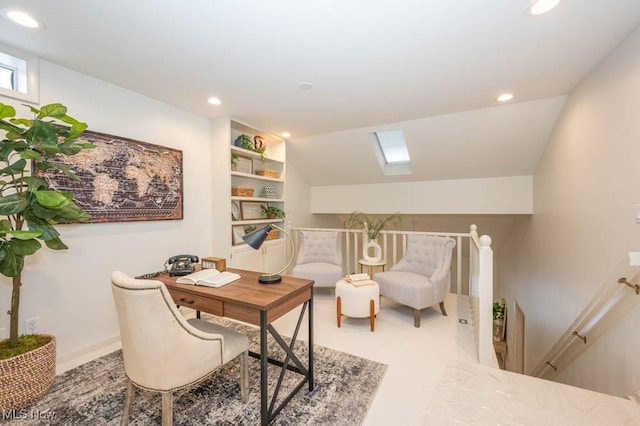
point(181, 264)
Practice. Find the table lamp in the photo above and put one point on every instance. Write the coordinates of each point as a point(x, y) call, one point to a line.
point(255, 240)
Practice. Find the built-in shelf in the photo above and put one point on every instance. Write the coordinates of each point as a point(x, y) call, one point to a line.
point(255, 221)
point(268, 200)
point(257, 177)
point(252, 154)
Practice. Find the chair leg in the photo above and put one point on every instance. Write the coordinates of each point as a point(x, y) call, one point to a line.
point(444, 313)
point(338, 310)
point(416, 317)
point(372, 313)
point(167, 408)
point(129, 396)
point(244, 376)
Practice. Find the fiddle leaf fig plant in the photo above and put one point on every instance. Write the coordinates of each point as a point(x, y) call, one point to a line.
point(28, 207)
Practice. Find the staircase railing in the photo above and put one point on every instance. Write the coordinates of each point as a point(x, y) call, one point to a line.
point(615, 297)
point(473, 259)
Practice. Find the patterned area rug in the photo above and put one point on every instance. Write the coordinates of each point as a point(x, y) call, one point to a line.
point(93, 393)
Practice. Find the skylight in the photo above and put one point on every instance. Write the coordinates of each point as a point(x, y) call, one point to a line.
point(391, 150)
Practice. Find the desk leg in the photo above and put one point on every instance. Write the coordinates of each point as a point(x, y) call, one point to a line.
point(310, 377)
point(268, 411)
point(264, 413)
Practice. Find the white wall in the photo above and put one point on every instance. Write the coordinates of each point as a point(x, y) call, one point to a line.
point(70, 290)
point(586, 188)
point(505, 195)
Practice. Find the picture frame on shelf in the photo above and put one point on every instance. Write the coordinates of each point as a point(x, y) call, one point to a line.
point(237, 232)
point(244, 165)
point(250, 210)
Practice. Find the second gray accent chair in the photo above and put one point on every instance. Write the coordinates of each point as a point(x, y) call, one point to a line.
point(320, 258)
point(421, 278)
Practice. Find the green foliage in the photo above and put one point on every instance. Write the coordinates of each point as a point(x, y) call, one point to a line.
point(498, 311)
point(272, 211)
point(25, 198)
point(371, 226)
point(26, 343)
point(234, 158)
point(30, 146)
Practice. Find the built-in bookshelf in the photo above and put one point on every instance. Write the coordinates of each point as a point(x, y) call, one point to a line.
point(257, 179)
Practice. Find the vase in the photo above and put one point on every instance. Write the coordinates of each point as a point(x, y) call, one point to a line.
point(371, 251)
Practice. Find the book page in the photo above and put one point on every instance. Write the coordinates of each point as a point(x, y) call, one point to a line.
point(200, 275)
point(219, 279)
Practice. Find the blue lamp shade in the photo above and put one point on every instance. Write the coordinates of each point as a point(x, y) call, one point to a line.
point(257, 237)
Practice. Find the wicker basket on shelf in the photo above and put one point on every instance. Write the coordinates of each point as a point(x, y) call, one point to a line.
point(267, 172)
point(242, 191)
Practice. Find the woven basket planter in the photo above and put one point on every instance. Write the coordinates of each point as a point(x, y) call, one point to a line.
point(26, 378)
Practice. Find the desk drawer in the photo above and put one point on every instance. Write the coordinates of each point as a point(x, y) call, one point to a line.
point(199, 303)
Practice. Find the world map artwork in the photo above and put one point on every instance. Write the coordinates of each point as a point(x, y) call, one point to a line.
point(123, 180)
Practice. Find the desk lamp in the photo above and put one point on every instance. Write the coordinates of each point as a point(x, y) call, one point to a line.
point(255, 240)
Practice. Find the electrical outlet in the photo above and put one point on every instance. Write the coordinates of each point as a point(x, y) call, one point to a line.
point(32, 326)
point(3, 333)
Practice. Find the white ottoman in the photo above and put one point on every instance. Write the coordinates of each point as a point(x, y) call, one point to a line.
point(357, 302)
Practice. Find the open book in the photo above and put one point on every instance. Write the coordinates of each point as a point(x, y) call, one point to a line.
point(209, 278)
point(359, 279)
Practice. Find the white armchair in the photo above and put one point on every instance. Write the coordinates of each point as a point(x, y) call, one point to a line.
point(164, 352)
point(319, 258)
point(421, 278)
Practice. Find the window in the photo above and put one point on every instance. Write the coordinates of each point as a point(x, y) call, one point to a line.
point(391, 150)
point(18, 75)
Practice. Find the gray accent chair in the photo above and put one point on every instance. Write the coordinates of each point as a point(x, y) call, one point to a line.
point(421, 278)
point(164, 352)
point(320, 258)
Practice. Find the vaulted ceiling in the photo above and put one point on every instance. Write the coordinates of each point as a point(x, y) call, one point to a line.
point(431, 67)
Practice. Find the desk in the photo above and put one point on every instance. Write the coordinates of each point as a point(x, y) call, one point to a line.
point(247, 300)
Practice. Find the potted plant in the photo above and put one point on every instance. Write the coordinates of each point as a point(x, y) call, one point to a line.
point(371, 227)
point(244, 141)
point(272, 212)
point(28, 211)
point(234, 161)
point(498, 320)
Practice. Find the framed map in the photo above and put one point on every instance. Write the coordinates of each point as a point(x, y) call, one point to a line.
point(123, 180)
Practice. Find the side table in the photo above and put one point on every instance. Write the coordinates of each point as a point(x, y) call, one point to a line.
point(357, 301)
point(372, 265)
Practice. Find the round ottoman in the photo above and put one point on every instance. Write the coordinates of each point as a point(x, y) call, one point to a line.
point(357, 301)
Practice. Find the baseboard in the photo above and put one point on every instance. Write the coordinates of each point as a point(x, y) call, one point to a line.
point(87, 353)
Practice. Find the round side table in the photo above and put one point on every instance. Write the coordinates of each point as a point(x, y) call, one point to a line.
point(377, 264)
point(357, 301)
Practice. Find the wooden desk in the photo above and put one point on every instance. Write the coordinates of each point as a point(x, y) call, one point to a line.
point(249, 301)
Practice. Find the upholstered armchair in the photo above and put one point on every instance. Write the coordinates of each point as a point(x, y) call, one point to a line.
point(319, 258)
point(421, 278)
point(164, 352)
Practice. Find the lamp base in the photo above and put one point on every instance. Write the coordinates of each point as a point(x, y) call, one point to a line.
point(269, 279)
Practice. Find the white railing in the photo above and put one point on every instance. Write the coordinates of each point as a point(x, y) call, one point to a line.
point(616, 296)
point(473, 259)
point(481, 296)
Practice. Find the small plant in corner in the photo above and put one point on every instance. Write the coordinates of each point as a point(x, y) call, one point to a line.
point(272, 212)
point(28, 207)
point(498, 311)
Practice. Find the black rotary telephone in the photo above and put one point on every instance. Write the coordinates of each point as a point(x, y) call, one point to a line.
point(181, 264)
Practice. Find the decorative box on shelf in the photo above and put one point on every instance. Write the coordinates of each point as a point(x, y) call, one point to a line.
point(269, 191)
point(214, 263)
point(267, 173)
point(242, 191)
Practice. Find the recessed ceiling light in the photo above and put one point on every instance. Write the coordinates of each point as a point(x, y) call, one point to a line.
point(214, 101)
point(305, 85)
point(505, 97)
point(22, 18)
point(286, 135)
point(540, 7)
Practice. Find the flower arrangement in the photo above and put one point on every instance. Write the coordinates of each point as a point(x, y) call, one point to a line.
point(371, 227)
